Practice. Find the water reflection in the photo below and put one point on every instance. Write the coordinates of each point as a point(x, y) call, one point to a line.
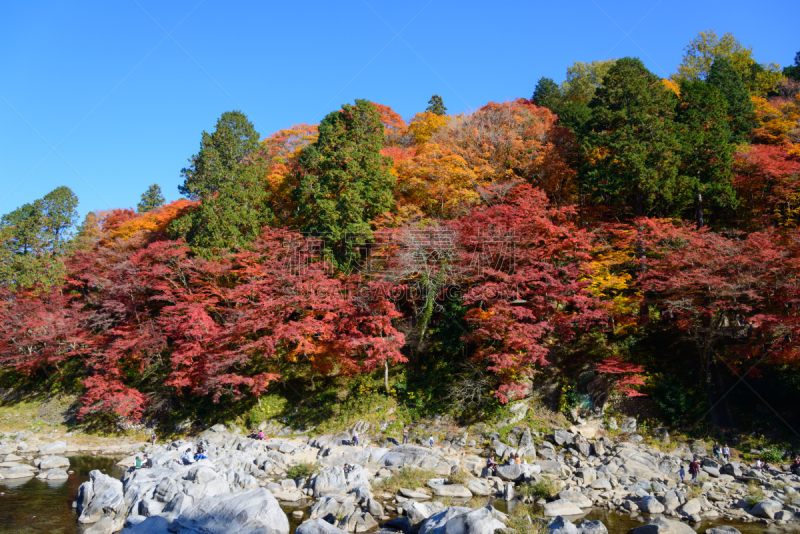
point(30, 505)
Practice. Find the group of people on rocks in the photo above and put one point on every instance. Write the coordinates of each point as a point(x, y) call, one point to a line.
point(187, 458)
point(722, 453)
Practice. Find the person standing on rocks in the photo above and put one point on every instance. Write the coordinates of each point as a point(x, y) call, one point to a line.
point(694, 470)
point(153, 439)
point(682, 473)
point(430, 442)
point(405, 435)
point(717, 451)
point(726, 452)
point(355, 438)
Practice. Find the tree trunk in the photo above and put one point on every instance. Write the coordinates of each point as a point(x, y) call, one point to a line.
point(386, 375)
point(700, 222)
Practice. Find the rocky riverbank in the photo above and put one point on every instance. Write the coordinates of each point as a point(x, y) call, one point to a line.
point(241, 486)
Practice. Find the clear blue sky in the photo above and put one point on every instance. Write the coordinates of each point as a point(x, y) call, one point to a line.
point(123, 104)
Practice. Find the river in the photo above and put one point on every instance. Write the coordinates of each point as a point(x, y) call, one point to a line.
point(35, 506)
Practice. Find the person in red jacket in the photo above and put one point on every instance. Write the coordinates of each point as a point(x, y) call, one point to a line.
point(694, 469)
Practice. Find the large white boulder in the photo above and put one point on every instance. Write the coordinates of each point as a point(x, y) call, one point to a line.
point(51, 462)
point(54, 448)
point(105, 497)
point(238, 513)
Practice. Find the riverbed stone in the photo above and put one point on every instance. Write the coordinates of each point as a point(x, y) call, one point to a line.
point(561, 525)
point(16, 472)
point(650, 505)
point(561, 507)
point(662, 525)
point(318, 526)
point(239, 513)
point(766, 508)
point(592, 527)
point(53, 449)
point(51, 462)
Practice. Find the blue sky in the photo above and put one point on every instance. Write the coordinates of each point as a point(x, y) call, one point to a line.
point(122, 89)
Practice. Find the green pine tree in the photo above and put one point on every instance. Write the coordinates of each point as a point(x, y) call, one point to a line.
point(151, 199)
point(227, 179)
point(436, 105)
point(631, 143)
point(547, 94)
point(707, 153)
point(222, 155)
point(347, 182)
point(793, 71)
point(34, 238)
point(741, 114)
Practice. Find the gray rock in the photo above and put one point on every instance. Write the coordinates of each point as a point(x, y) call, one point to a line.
point(15, 472)
point(561, 507)
point(105, 525)
point(561, 525)
point(106, 498)
point(51, 462)
point(411, 494)
point(661, 525)
point(650, 505)
point(579, 499)
point(508, 494)
point(150, 525)
point(239, 513)
point(435, 524)
point(712, 471)
point(318, 526)
point(480, 521)
point(479, 487)
point(601, 484)
point(512, 473)
point(54, 448)
point(723, 530)
point(592, 527)
point(450, 490)
point(374, 508)
point(732, 470)
point(55, 474)
point(358, 522)
point(563, 437)
point(766, 508)
point(628, 425)
point(549, 466)
point(691, 506)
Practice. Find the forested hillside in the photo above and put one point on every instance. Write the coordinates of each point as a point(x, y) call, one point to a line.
point(615, 234)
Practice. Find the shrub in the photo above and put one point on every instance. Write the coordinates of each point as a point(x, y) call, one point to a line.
point(459, 476)
point(544, 489)
point(407, 477)
point(301, 470)
point(772, 456)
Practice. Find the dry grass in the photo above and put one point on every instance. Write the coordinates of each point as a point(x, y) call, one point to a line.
point(407, 477)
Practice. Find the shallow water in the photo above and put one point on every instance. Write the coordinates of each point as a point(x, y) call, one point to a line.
point(36, 506)
point(32, 505)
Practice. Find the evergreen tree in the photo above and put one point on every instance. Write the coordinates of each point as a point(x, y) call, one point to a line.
point(222, 155)
point(436, 106)
point(793, 71)
point(347, 182)
point(151, 199)
point(741, 114)
point(34, 236)
point(547, 94)
point(630, 143)
point(707, 153)
point(231, 218)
